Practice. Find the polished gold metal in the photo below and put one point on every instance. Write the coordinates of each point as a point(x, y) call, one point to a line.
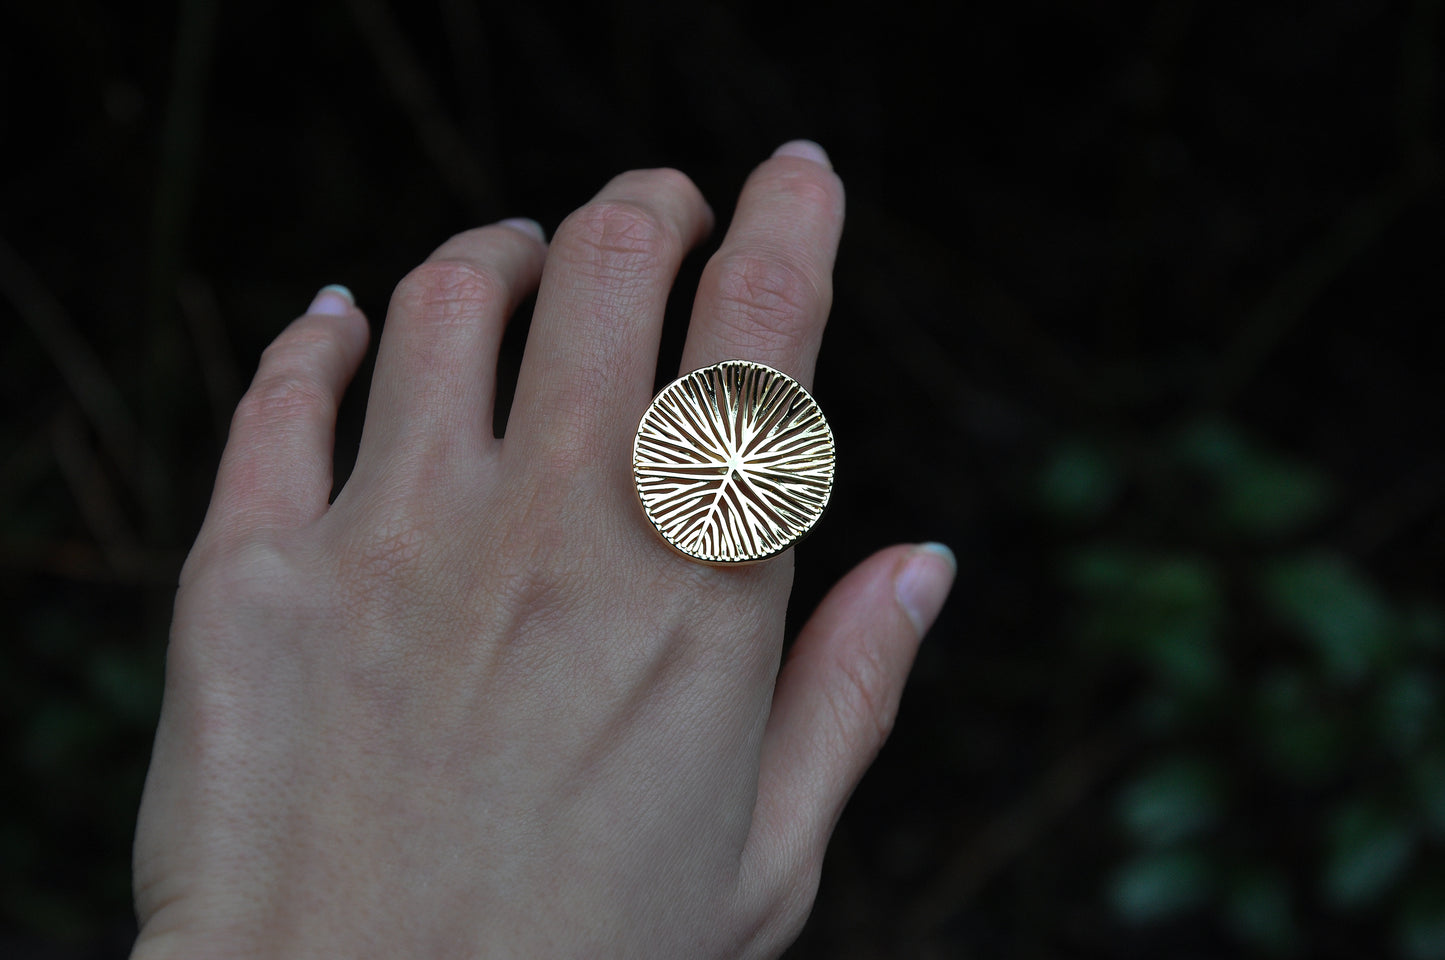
point(733, 462)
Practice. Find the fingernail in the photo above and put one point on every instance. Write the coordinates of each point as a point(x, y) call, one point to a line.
point(923, 584)
point(805, 149)
point(334, 300)
point(531, 228)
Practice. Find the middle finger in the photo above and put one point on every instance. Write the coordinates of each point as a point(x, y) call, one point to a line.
point(765, 294)
point(591, 354)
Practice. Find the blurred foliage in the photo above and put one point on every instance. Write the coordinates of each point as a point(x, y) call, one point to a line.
point(1319, 793)
point(80, 710)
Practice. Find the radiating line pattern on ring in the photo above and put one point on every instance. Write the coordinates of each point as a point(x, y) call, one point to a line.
point(733, 462)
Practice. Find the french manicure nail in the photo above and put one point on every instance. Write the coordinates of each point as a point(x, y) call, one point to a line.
point(333, 300)
point(530, 227)
point(806, 150)
point(923, 584)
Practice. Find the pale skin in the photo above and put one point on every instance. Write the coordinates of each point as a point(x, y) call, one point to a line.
point(475, 707)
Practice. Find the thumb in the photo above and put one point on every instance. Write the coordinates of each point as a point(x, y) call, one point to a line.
point(835, 703)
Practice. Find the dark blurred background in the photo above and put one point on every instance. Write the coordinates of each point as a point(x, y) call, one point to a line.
point(1138, 308)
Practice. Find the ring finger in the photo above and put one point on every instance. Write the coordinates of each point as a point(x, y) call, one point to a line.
point(765, 294)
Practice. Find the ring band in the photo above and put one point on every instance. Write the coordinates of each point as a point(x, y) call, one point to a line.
point(733, 463)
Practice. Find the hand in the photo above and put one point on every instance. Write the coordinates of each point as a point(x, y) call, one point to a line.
point(476, 707)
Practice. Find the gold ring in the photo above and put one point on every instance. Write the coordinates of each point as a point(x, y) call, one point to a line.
point(733, 463)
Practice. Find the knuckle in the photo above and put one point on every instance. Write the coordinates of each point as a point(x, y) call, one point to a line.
point(448, 291)
point(384, 555)
point(383, 569)
point(763, 300)
point(568, 455)
point(303, 345)
point(390, 553)
point(797, 902)
point(535, 599)
point(660, 182)
point(395, 583)
point(673, 180)
point(614, 238)
point(281, 395)
point(259, 569)
point(230, 580)
point(550, 509)
point(860, 698)
point(809, 186)
point(785, 901)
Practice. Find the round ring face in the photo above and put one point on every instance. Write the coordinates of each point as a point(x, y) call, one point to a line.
point(733, 462)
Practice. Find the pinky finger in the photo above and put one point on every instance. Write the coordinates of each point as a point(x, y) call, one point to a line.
point(276, 469)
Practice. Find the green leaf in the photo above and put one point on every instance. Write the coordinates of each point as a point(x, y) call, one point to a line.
point(1177, 799)
point(1329, 604)
point(1165, 585)
point(1260, 913)
point(1159, 885)
point(1407, 706)
point(1185, 653)
point(1101, 568)
point(1272, 497)
point(1162, 609)
point(1369, 849)
point(1078, 483)
point(1260, 494)
point(1180, 584)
